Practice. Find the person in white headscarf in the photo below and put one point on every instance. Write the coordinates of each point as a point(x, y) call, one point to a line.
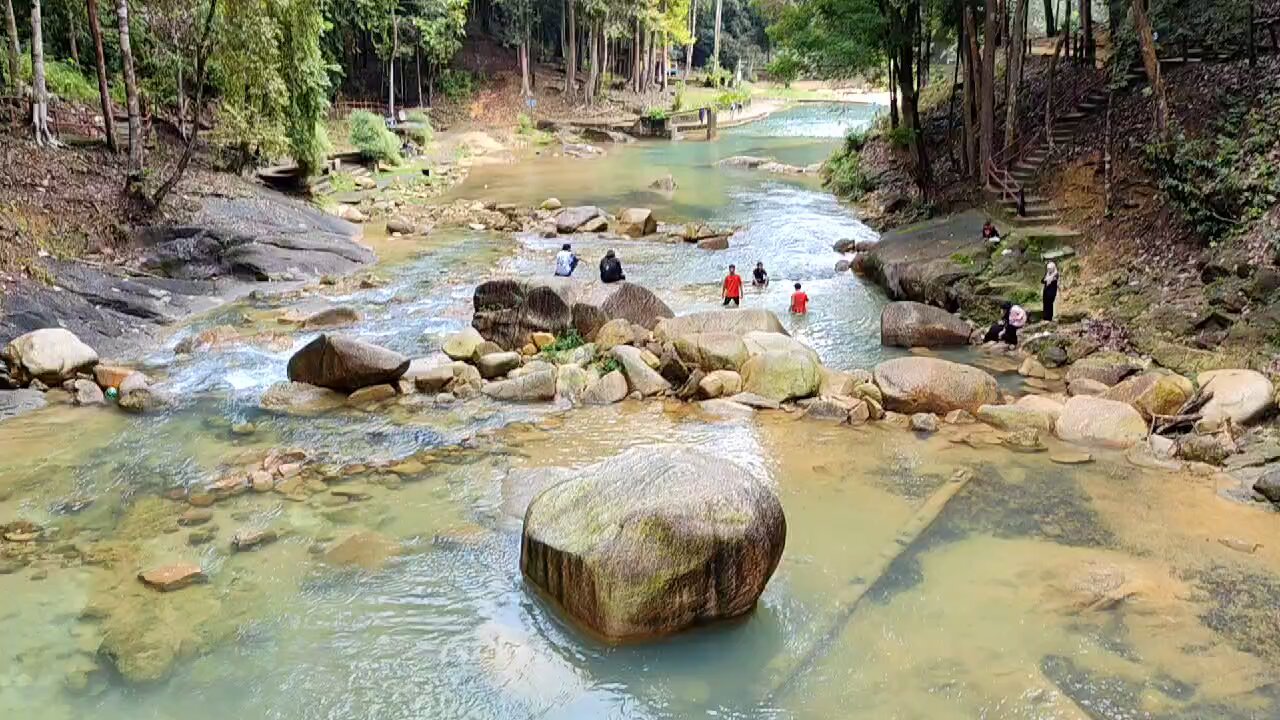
point(1050, 290)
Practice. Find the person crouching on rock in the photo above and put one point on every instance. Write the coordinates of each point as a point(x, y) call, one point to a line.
point(566, 261)
point(611, 268)
point(1001, 327)
point(732, 289)
point(990, 233)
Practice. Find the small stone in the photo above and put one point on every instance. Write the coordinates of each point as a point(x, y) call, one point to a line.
point(924, 423)
point(195, 516)
point(244, 428)
point(352, 492)
point(1032, 368)
point(289, 470)
point(201, 500)
point(543, 340)
point(168, 578)
point(203, 536)
point(245, 539)
point(262, 481)
point(1068, 457)
point(960, 417)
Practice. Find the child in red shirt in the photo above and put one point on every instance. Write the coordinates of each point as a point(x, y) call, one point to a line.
point(733, 287)
point(799, 301)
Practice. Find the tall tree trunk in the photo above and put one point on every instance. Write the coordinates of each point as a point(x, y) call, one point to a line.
point(635, 59)
point(1151, 61)
point(693, 39)
point(391, 67)
point(666, 60)
point(908, 92)
point(1050, 27)
point(1086, 27)
point(104, 88)
point(15, 62)
point(972, 87)
point(1014, 71)
point(715, 46)
point(39, 94)
point(417, 68)
point(894, 118)
point(571, 52)
point(987, 111)
point(72, 33)
point(593, 61)
point(602, 85)
point(525, 88)
point(131, 95)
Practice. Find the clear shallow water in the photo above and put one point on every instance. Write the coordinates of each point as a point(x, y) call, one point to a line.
point(1043, 591)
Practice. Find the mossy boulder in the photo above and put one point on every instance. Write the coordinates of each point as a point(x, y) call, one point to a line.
point(782, 375)
point(738, 322)
point(1153, 393)
point(649, 544)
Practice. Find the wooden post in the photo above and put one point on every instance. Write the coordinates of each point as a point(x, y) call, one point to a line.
point(711, 123)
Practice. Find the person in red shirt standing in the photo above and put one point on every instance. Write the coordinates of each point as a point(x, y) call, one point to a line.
point(733, 287)
point(799, 301)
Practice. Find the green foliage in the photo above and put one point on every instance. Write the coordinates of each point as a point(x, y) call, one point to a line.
point(66, 81)
point(525, 124)
point(856, 139)
point(570, 340)
point(785, 68)
point(900, 137)
point(457, 85)
point(678, 103)
point(727, 98)
point(369, 135)
point(418, 128)
point(720, 78)
point(842, 173)
point(1023, 296)
point(963, 259)
point(1228, 178)
point(607, 365)
point(306, 75)
point(341, 182)
point(657, 114)
point(834, 38)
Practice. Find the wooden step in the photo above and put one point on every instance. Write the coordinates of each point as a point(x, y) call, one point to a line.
point(1027, 221)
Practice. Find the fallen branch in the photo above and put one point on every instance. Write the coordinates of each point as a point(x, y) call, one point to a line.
point(790, 668)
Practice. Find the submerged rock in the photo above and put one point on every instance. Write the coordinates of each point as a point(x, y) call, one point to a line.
point(167, 578)
point(333, 318)
point(646, 545)
point(921, 384)
point(50, 355)
point(346, 365)
point(300, 399)
point(913, 324)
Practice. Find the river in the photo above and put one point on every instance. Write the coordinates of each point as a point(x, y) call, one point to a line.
point(1104, 590)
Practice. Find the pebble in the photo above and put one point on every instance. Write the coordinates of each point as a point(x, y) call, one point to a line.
point(245, 540)
point(167, 578)
point(195, 516)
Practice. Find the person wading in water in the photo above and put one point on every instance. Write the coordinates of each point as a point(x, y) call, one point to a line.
point(733, 287)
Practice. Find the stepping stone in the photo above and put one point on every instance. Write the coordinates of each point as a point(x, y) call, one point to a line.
point(167, 578)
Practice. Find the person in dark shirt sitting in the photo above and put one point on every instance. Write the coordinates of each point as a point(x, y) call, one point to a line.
point(611, 269)
point(759, 276)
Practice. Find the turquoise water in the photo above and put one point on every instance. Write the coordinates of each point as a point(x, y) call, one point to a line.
point(1043, 591)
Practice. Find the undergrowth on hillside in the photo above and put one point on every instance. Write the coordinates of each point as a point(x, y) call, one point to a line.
point(1227, 179)
point(842, 173)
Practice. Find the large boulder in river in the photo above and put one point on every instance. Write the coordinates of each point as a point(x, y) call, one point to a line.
point(1096, 421)
point(532, 387)
point(1243, 396)
point(346, 365)
point(587, 319)
point(570, 219)
point(759, 343)
point(609, 389)
point(781, 376)
point(913, 324)
point(636, 222)
point(463, 345)
point(636, 303)
point(921, 384)
point(1108, 368)
point(713, 351)
point(738, 322)
point(649, 544)
point(508, 312)
point(50, 355)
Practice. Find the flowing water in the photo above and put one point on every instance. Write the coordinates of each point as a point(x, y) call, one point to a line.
point(1041, 591)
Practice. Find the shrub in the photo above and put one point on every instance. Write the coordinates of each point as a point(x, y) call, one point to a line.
point(785, 69)
point(678, 103)
point(570, 340)
point(842, 173)
point(657, 114)
point(419, 128)
point(67, 82)
point(369, 135)
point(457, 85)
point(525, 125)
point(719, 78)
point(727, 98)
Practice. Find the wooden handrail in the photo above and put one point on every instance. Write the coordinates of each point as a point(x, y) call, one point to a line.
point(1007, 186)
